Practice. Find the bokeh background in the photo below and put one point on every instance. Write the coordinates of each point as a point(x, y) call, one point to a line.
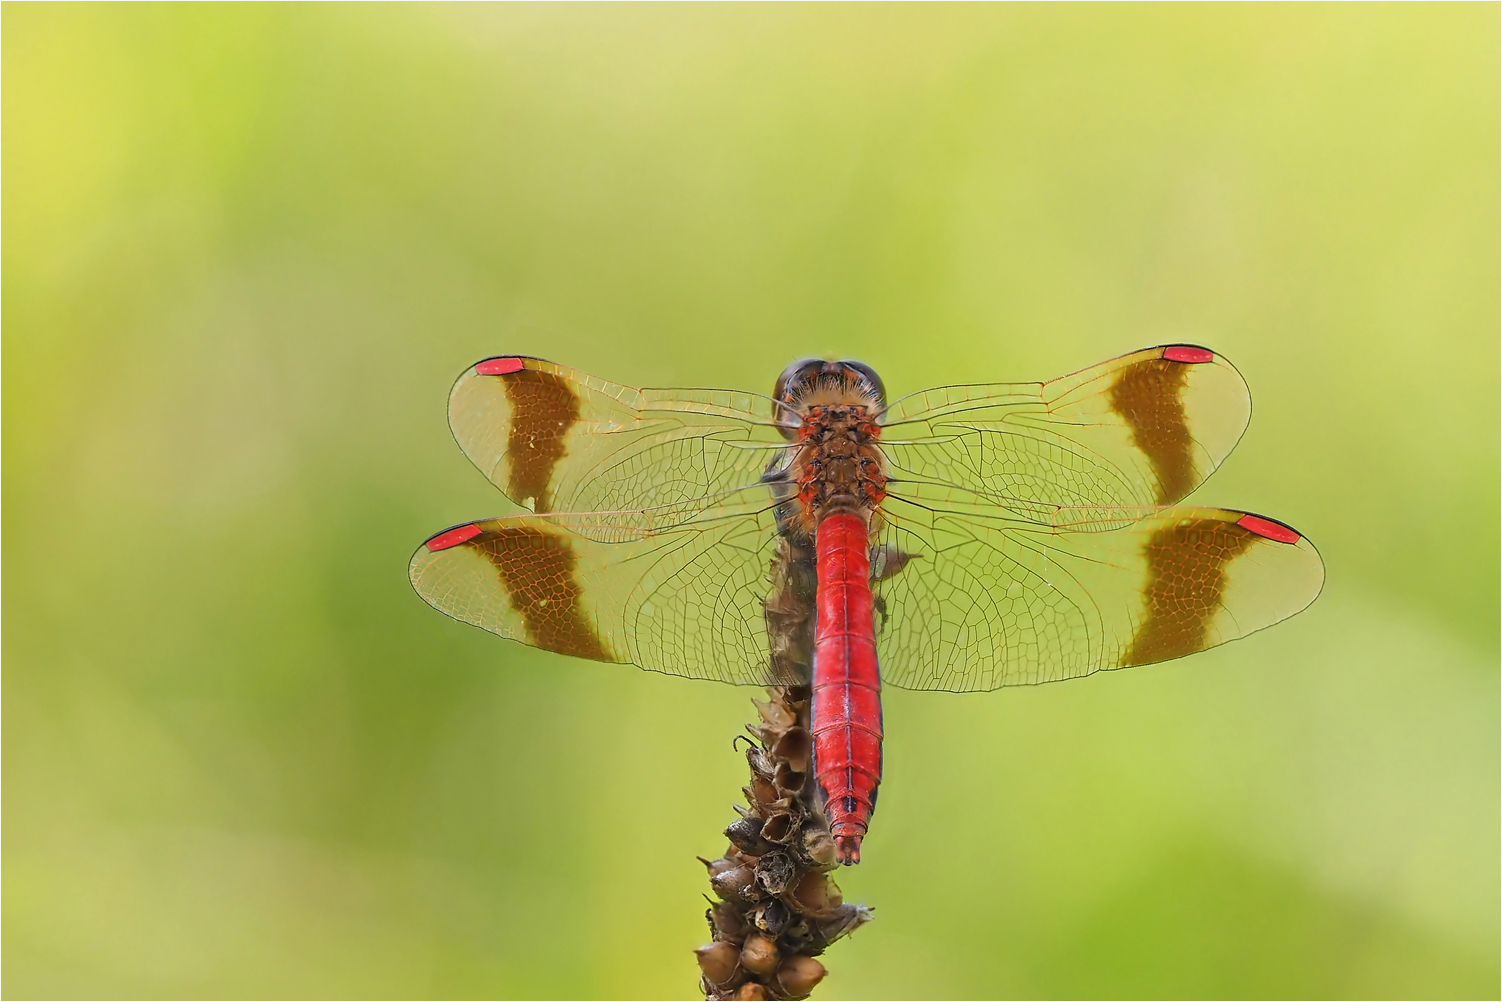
point(248, 248)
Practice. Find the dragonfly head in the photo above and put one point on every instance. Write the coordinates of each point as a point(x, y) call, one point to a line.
point(810, 381)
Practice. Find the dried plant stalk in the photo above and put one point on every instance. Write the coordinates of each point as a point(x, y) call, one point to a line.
point(777, 907)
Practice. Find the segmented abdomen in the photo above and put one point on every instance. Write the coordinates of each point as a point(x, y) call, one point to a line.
point(847, 683)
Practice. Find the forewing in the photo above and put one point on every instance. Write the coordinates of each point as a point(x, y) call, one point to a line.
point(980, 598)
point(1143, 429)
point(556, 439)
point(688, 599)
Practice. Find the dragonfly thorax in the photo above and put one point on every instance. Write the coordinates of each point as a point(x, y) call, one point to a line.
point(838, 466)
point(829, 411)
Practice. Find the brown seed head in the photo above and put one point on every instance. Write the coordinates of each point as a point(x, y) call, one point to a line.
point(798, 975)
point(776, 908)
point(759, 955)
point(717, 961)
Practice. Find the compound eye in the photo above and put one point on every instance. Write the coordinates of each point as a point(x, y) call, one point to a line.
point(793, 375)
point(870, 377)
point(789, 384)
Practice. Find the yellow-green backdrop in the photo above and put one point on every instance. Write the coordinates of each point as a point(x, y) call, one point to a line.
point(247, 249)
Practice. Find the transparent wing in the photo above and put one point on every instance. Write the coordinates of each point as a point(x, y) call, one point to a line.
point(687, 599)
point(980, 597)
point(1024, 537)
point(1142, 429)
point(556, 439)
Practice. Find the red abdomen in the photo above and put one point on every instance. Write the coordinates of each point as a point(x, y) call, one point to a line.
point(847, 683)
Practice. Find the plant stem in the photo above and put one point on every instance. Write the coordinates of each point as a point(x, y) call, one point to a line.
point(776, 907)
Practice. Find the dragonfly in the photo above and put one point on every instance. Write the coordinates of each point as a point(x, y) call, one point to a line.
point(962, 538)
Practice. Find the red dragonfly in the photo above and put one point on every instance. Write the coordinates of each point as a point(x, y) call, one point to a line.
point(962, 538)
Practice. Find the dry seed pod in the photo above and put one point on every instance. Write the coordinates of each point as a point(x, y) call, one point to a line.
point(817, 894)
point(820, 847)
point(762, 792)
point(726, 921)
point(794, 747)
point(798, 975)
point(789, 780)
point(746, 834)
point(751, 991)
point(759, 762)
point(760, 954)
point(770, 917)
point(717, 866)
point(732, 884)
point(776, 713)
point(775, 871)
point(779, 827)
point(846, 920)
point(717, 961)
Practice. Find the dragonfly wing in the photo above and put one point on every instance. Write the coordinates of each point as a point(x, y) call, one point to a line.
point(974, 597)
point(557, 439)
point(688, 599)
point(1142, 429)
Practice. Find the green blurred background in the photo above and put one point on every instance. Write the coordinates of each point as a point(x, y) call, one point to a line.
point(248, 248)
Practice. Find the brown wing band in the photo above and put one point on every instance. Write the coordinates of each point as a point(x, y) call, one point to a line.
point(1185, 580)
point(543, 409)
point(1148, 396)
point(537, 569)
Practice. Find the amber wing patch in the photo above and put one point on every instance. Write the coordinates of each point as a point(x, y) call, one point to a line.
point(537, 569)
point(1148, 396)
point(544, 408)
point(1186, 565)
